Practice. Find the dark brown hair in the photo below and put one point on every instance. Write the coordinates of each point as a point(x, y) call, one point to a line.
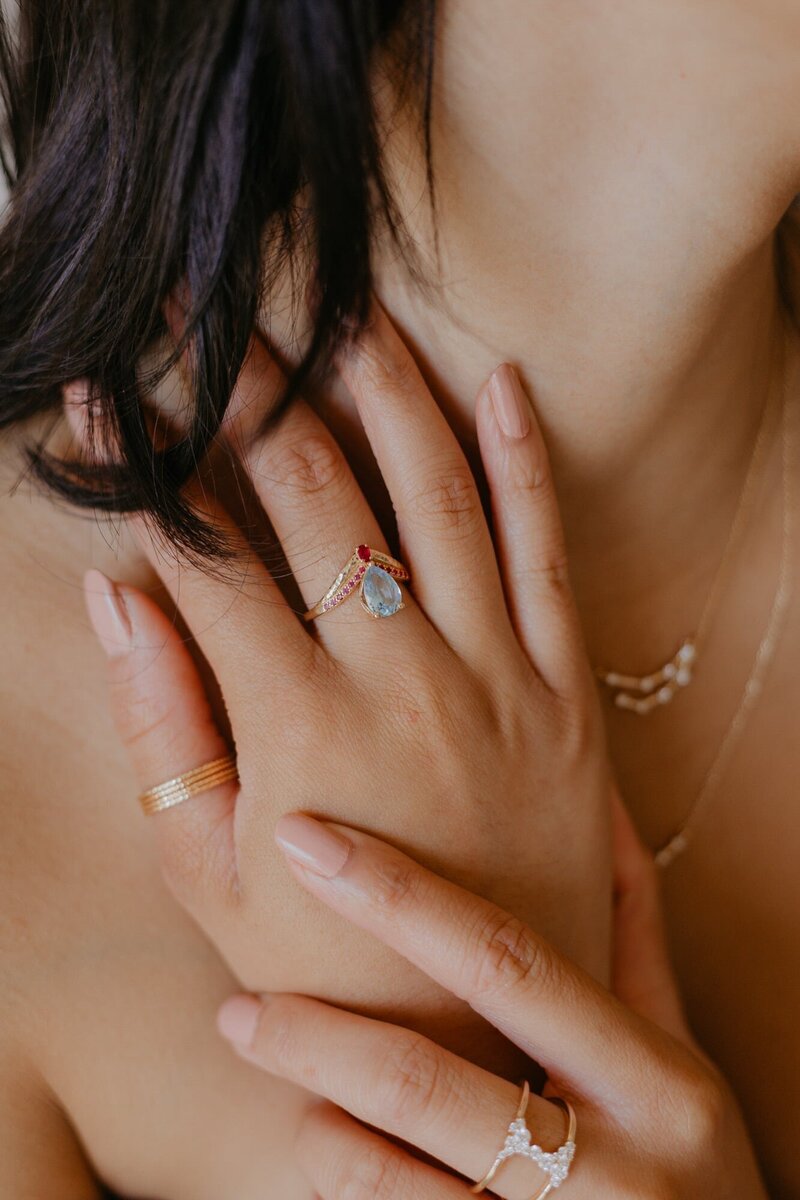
point(155, 145)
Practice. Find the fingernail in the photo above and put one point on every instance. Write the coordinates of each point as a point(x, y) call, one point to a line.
point(312, 844)
point(237, 1020)
point(511, 405)
point(108, 614)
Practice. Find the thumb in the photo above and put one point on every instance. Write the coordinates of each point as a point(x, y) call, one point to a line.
point(162, 715)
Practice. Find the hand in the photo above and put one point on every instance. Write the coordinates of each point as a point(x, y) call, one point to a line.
point(466, 727)
point(654, 1119)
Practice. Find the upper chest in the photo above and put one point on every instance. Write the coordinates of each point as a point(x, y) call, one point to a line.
point(119, 989)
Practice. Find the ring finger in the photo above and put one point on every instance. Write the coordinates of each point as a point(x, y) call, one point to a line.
point(310, 495)
point(397, 1081)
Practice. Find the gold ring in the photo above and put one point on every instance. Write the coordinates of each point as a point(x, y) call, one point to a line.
point(191, 783)
point(555, 1163)
point(376, 577)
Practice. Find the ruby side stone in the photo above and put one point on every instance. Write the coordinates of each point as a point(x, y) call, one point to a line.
point(364, 553)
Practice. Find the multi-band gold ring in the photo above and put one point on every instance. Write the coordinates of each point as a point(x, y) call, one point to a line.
point(191, 783)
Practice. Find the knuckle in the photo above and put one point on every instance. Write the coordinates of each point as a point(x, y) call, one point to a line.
point(531, 479)
point(387, 369)
point(302, 723)
point(372, 1174)
point(447, 500)
point(304, 468)
point(410, 1078)
point(394, 881)
point(299, 730)
point(142, 715)
point(705, 1106)
point(507, 955)
point(199, 868)
point(421, 701)
point(580, 730)
point(281, 1040)
point(549, 567)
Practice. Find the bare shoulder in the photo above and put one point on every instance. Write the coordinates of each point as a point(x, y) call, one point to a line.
point(53, 850)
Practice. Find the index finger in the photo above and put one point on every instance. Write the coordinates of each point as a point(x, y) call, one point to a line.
point(547, 1006)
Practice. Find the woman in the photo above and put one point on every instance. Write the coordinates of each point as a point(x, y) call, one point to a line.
point(582, 236)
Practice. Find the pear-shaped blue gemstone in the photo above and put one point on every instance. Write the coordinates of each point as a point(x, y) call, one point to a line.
point(380, 592)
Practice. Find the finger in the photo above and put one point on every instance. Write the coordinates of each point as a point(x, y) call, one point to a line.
point(528, 532)
point(544, 1004)
point(162, 715)
point(312, 499)
point(233, 608)
point(392, 1079)
point(440, 517)
point(643, 976)
point(344, 1161)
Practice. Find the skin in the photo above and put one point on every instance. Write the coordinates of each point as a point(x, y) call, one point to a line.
point(670, 1130)
point(647, 363)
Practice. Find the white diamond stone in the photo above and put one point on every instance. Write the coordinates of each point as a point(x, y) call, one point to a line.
point(380, 592)
point(555, 1163)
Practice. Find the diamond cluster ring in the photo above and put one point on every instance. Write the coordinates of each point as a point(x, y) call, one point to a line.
point(519, 1143)
point(375, 576)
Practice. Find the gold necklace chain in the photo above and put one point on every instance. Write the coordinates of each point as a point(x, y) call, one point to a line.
point(666, 854)
point(642, 694)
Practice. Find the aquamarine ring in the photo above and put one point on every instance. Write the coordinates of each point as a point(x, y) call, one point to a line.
point(376, 577)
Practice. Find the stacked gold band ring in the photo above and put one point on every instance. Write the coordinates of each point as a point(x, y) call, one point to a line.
point(192, 783)
point(519, 1143)
point(376, 577)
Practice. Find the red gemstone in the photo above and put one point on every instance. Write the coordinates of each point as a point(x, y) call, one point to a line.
point(364, 553)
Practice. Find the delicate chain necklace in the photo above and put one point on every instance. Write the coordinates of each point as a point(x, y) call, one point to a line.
point(641, 694)
point(677, 843)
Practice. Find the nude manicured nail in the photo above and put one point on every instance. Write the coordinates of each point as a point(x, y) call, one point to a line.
point(312, 844)
point(511, 405)
point(108, 614)
point(238, 1020)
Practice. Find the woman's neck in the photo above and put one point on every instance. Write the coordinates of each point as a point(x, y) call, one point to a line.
point(607, 205)
point(650, 447)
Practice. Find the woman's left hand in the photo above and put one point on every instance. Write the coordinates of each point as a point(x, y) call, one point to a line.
point(654, 1118)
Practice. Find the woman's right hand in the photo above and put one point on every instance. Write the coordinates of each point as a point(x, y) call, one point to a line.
point(466, 728)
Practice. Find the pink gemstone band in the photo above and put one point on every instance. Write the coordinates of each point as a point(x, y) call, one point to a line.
point(371, 573)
